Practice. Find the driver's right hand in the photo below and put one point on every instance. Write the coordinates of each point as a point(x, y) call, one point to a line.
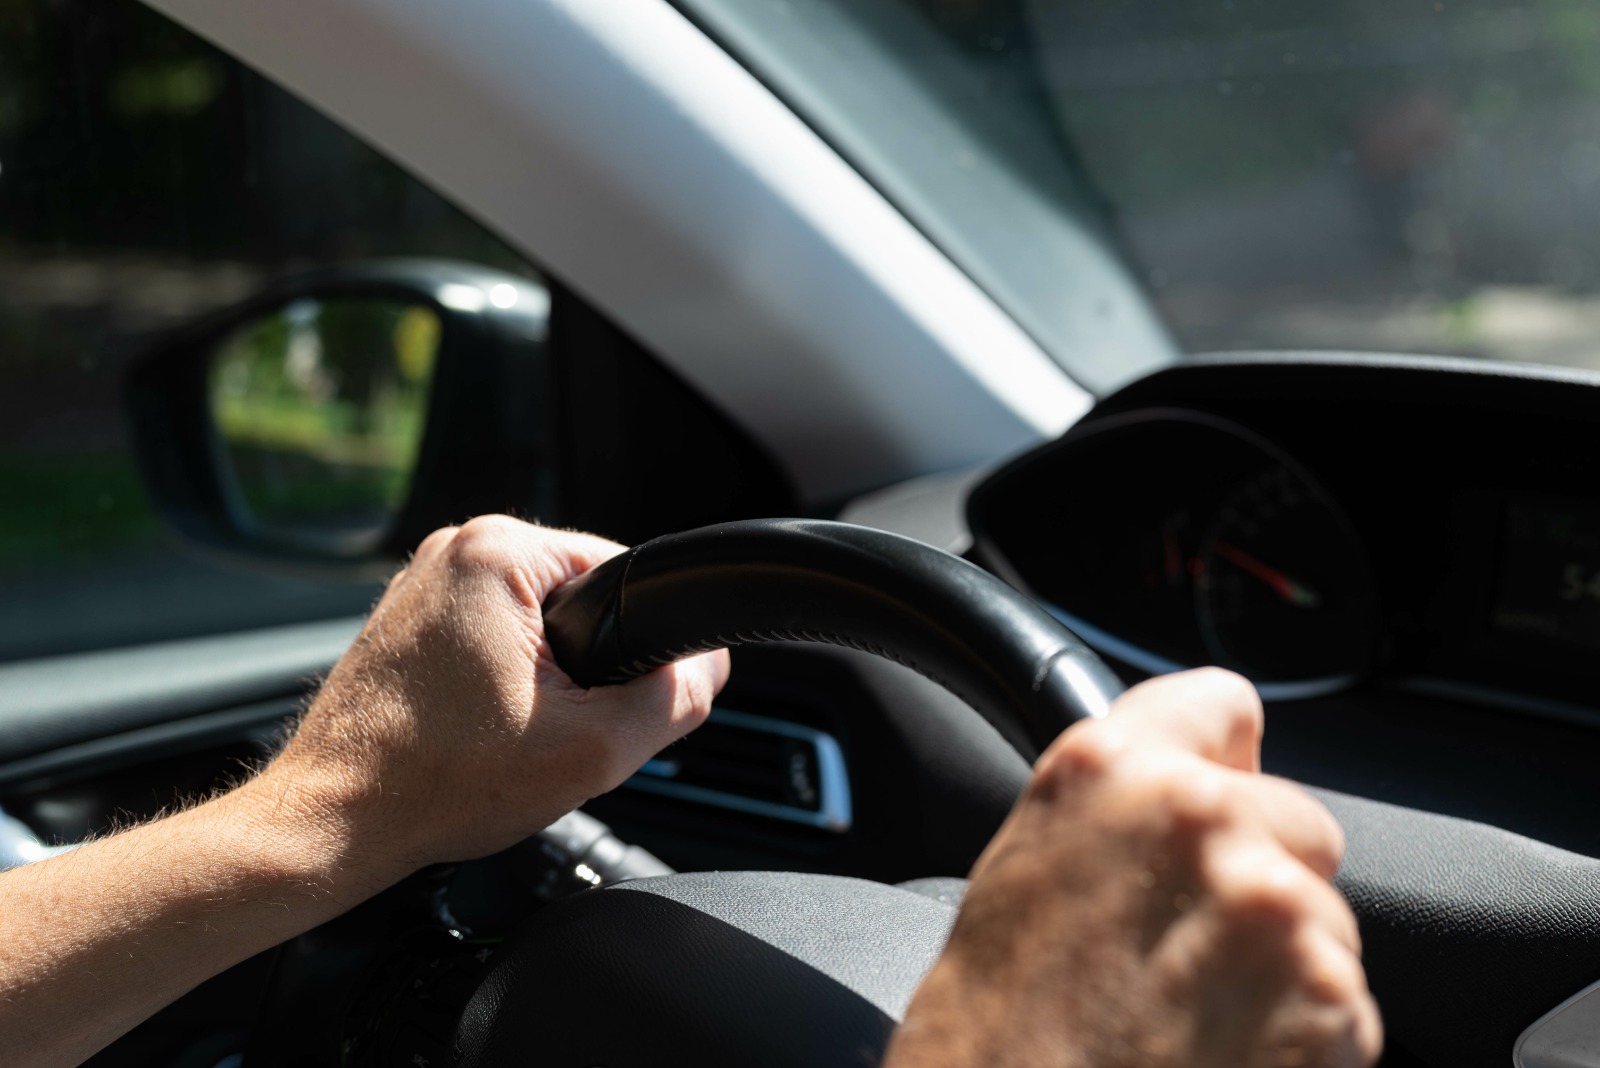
point(1155, 901)
point(448, 731)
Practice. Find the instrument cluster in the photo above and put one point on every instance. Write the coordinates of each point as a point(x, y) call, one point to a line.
point(1319, 522)
point(1184, 539)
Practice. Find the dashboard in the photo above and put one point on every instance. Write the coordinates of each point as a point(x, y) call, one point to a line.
point(1318, 523)
point(1403, 553)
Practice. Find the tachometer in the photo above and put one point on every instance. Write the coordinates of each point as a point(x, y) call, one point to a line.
point(1283, 589)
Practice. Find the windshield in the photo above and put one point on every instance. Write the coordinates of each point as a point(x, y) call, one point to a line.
point(1381, 175)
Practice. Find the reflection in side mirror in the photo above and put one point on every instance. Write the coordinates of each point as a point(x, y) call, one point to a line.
point(318, 409)
point(326, 425)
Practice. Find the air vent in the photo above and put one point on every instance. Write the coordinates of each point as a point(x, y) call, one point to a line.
point(756, 765)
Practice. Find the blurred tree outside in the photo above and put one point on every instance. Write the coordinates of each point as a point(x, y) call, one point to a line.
point(1393, 175)
point(1409, 175)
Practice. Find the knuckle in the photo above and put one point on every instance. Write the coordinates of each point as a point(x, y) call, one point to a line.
point(1088, 751)
point(491, 524)
point(1193, 794)
point(1235, 695)
point(1319, 837)
point(1178, 803)
point(435, 542)
point(1250, 892)
point(488, 542)
point(1171, 797)
point(1318, 1036)
point(697, 695)
point(1329, 840)
point(1328, 973)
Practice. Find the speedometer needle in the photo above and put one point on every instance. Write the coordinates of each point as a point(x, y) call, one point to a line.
point(1291, 591)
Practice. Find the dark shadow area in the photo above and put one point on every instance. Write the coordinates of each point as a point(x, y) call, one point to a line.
point(726, 968)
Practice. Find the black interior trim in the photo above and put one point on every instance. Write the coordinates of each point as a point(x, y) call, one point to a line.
point(260, 722)
point(61, 701)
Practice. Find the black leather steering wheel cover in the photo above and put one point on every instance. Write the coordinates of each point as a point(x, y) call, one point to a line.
point(777, 969)
point(819, 581)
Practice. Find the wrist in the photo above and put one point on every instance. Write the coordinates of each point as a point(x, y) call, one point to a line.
point(318, 835)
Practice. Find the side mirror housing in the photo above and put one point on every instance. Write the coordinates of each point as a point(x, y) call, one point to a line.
point(327, 424)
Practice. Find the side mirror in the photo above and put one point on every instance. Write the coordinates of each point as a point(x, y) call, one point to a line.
point(329, 423)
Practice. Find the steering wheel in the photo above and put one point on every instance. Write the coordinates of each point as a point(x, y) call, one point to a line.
point(766, 968)
point(1471, 933)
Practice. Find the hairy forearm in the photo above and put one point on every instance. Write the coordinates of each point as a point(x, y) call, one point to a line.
point(446, 732)
point(94, 941)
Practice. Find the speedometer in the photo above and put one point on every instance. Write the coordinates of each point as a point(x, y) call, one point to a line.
point(1170, 538)
point(1283, 590)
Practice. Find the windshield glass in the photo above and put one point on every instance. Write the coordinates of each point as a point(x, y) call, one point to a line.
point(1382, 175)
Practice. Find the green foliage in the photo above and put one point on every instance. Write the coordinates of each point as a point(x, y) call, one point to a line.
point(1461, 322)
point(180, 88)
point(322, 406)
point(63, 507)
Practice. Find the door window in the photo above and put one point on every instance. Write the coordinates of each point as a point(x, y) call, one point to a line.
point(146, 178)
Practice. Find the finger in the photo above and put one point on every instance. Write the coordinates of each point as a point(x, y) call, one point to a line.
point(562, 555)
point(584, 551)
point(1264, 978)
point(1300, 823)
point(1214, 713)
point(1250, 884)
point(649, 713)
point(678, 692)
point(1335, 1016)
point(1195, 798)
point(698, 680)
point(533, 559)
point(719, 667)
